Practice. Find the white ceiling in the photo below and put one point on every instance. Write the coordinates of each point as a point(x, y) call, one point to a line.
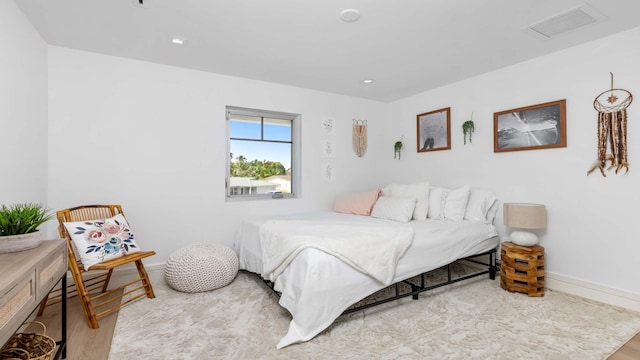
point(407, 46)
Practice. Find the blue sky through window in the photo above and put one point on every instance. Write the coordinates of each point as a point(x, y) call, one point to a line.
point(257, 150)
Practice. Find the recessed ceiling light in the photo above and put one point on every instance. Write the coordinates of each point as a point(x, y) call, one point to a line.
point(178, 41)
point(140, 4)
point(350, 15)
point(368, 81)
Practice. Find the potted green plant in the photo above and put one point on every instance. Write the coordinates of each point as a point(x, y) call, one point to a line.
point(19, 226)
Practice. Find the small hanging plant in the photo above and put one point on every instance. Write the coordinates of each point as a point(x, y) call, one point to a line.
point(468, 127)
point(397, 147)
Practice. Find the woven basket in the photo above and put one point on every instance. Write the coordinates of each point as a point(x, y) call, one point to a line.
point(38, 346)
point(14, 354)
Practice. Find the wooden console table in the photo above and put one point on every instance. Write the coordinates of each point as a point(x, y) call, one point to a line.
point(26, 278)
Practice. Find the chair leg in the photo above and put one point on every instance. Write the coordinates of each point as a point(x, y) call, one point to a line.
point(106, 281)
point(145, 280)
point(85, 300)
point(43, 305)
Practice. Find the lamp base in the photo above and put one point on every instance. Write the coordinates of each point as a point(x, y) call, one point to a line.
point(524, 238)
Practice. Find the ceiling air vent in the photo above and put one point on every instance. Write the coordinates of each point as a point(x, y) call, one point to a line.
point(565, 22)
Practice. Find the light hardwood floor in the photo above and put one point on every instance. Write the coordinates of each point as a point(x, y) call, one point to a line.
point(85, 343)
point(630, 350)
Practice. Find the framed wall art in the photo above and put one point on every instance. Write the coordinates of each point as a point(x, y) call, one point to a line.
point(434, 130)
point(541, 126)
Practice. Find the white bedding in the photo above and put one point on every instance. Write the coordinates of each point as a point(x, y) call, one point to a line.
point(282, 240)
point(316, 287)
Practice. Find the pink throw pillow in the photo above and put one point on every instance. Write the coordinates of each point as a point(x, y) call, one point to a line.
point(358, 203)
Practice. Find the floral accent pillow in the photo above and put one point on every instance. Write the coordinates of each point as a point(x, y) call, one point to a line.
point(96, 241)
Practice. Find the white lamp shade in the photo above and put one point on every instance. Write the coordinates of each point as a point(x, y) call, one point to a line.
point(525, 216)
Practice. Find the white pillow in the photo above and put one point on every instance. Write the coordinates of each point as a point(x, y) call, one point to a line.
point(96, 241)
point(480, 201)
point(455, 203)
point(394, 208)
point(493, 210)
point(417, 191)
point(447, 204)
point(435, 203)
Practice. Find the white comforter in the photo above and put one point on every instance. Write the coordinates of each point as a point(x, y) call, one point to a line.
point(282, 240)
point(317, 287)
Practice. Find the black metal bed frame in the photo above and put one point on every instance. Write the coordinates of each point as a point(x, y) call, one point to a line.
point(417, 289)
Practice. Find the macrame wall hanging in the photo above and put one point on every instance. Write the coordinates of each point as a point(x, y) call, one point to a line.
point(359, 137)
point(612, 107)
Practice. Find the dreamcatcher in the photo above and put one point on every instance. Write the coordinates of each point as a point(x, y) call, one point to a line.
point(359, 135)
point(612, 129)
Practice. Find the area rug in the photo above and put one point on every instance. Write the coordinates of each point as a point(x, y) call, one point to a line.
point(474, 319)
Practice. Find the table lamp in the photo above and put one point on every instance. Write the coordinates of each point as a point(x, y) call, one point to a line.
point(524, 216)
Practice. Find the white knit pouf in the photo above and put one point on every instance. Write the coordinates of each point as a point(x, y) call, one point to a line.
point(203, 267)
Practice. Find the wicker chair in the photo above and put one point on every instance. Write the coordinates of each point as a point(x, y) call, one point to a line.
point(92, 288)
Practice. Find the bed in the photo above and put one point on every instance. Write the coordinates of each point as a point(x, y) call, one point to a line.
point(317, 287)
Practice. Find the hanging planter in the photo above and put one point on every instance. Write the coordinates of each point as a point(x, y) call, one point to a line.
point(397, 148)
point(468, 127)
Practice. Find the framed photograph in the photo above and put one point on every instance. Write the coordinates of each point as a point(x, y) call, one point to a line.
point(541, 126)
point(434, 130)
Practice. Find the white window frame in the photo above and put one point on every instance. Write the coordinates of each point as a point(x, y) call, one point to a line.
point(295, 153)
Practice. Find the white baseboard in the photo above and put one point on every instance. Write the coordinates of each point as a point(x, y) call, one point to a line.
point(592, 291)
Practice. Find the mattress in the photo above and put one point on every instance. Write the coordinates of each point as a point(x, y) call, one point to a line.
point(317, 287)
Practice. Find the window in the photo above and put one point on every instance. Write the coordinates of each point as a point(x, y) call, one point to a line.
point(264, 153)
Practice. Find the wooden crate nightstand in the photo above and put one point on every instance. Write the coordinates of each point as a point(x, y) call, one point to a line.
point(522, 268)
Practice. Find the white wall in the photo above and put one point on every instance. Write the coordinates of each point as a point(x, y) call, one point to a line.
point(591, 234)
point(23, 109)
point(152, 138)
